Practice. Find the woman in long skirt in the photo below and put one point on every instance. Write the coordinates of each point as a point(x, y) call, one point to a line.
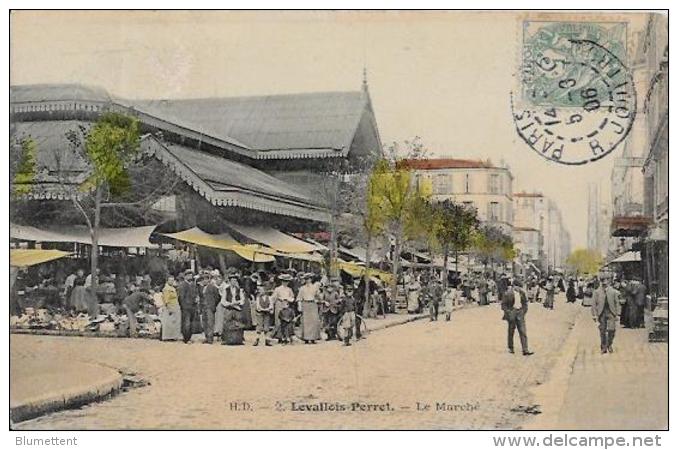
point(171, 313)
point(234, 326)
point(78, 299)
point(413, 296)
point(310, 319)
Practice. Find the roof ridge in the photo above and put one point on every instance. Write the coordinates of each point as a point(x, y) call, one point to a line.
point(226, 97)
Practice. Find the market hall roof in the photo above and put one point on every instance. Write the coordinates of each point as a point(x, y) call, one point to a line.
point(224, 182)
point(221, 181)
point(274, 126)
point(307, 125)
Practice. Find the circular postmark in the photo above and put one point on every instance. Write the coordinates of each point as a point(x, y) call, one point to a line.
point(577, 101)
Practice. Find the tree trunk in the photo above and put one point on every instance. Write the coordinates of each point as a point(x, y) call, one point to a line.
point(222, 264)
point(446, 252)
point(456, 262)
point(334, 266)
point(94, 255)
point(395, 263)
point(368, 257)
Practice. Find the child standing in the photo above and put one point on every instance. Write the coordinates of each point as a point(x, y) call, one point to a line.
point(286, 317)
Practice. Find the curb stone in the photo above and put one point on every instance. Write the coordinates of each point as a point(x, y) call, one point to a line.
point(104, 388)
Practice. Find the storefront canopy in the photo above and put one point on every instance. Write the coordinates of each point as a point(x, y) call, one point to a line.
point(356, 270)
point(30, 257)
point(108, 237)
point(274, 239)
point(627, 257)
point(223, 241)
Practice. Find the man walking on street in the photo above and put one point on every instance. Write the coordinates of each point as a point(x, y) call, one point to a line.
point(436, 297)
point(606, 309)
point(514, 305)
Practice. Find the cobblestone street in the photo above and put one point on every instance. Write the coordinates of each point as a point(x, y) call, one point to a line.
point(441, 375)
point(626, 390)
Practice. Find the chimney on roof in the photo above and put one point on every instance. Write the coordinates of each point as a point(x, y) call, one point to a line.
point(365, 79)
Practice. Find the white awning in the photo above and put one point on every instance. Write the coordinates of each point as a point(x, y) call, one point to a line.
point(273, 238)
point(108, 237)
point(627, 257)
point(377, 254)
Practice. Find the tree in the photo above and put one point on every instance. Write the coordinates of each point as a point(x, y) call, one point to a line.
point(585, 261)
point(109, 147)
point(23, 166)
point(452, 228)
point(397, 197)
point(492, 245)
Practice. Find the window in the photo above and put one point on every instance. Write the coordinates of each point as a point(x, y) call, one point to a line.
point(494, 184)
point(467, 183)
point(440, 184)
point(493, 212)
point(469, 205)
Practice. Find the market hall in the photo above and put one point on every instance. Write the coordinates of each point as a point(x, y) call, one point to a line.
point(237, 185)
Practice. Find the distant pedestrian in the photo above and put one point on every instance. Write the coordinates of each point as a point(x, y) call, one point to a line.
point(308, 304)
point(331, 308)
point(436, 296)
point(571, 293)
point(132, 304)
point(550, 290)
point(188, 298)
point(450, 300)
point(286, 317)
point(606, 309)
point(348, 322)
point(210, 298)
point(264, 314)
point(171, 312)
point(514, 306)
point(282, 297)
point(413, 291)
point(233, 332)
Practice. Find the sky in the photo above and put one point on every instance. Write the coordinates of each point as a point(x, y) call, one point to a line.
point(446, 77)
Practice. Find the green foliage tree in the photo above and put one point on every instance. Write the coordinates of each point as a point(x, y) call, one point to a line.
point(452, 227)
point(493, 245)
point(584, 261)
point(398, 199)
point(23, 166)
point(110, 146)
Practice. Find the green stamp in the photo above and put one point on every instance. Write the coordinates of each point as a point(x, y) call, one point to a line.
point(553, 64)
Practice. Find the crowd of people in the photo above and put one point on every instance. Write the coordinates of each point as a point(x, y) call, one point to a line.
point(287, 306)
point(282, 306)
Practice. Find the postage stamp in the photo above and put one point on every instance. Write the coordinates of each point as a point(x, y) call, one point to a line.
point(576, 99)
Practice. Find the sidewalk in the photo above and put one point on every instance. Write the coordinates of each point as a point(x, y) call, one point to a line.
point(588, 390)
point(45, 384)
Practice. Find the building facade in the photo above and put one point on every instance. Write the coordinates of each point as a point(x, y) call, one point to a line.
point(540, 232)
point(598, 222)
point(654, 241)
point(477, 184)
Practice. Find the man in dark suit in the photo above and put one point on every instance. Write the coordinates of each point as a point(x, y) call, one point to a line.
point(188, 294)
point(210, 298)
point(606, 309)
point(514, 304)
